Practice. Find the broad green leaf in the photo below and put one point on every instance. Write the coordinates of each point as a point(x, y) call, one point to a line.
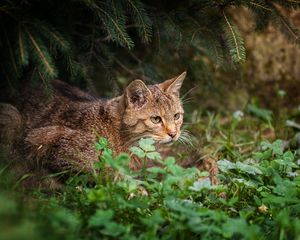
point(244, 182)
point(169, 161)
point(288, 156)
point(98, 147)
point(138, 152)
point(239, 225)
point(101, 218)
point(95, 195)
point(225, 165)
point(248, 168)
point(103, 142)
point(286, 163)
point(153, 220)
point(147, 144)
point(153, 155)
point(122, 159)
point(277, 147)
point(113, 229)
point(286, 188)
point(201, 184)
point(156, 170)
point(266, 145)
point(267, 154)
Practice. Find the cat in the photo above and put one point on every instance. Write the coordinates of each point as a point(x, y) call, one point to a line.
point(59, 132)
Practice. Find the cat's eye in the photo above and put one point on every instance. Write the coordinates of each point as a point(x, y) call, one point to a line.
point(156, 119)
point(177, 116)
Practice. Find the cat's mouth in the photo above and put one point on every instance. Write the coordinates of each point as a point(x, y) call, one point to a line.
point(166, 141)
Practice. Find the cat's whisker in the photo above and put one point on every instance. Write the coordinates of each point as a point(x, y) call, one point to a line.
point(186, 132)
point(187, 93)
point(186, 138)
point(182, 141)
point(187, 100)
point(179, 140)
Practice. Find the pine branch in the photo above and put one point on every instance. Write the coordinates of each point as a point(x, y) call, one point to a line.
point(12, 59)
point(294, 4)
point(234, 41)
point(292, 31)
point(114, 25)
point(118, 32)
point(260, 5)
point(57, 42)
point(157, 33)
point(200, 69)
point(75, 68)
point(262, 13)
point(203, 39)
point(42, 58)
point(211, 47)
point(22, 48)
point(285, 26)
point(143, 21)
point(172, 33)
point(39, 39)
point(54, 37)
point(47, 87)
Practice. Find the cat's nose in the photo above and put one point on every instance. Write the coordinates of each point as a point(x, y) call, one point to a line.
point(172, 134)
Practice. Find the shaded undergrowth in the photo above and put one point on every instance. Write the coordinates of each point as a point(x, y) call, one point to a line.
point(258, 196)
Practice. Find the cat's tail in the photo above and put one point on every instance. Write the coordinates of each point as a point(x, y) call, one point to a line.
point(10, 124)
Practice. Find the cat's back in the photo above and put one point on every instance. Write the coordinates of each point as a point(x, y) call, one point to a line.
point(64, 105)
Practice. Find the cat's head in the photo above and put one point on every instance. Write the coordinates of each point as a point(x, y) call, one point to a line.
point(153, 111)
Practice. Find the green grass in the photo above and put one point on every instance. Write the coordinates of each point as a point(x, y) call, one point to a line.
point(258, 196)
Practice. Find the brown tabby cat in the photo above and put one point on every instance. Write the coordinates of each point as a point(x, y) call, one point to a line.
point(60, 132)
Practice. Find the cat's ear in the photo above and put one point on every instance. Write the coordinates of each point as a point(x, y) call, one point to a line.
point(173, 85)
point(137, 94)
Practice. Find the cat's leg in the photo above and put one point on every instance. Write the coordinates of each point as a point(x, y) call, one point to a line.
point(74, 152)
point(47, 135)
point(38, 141)
point(33, 151)
point(62, 148)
